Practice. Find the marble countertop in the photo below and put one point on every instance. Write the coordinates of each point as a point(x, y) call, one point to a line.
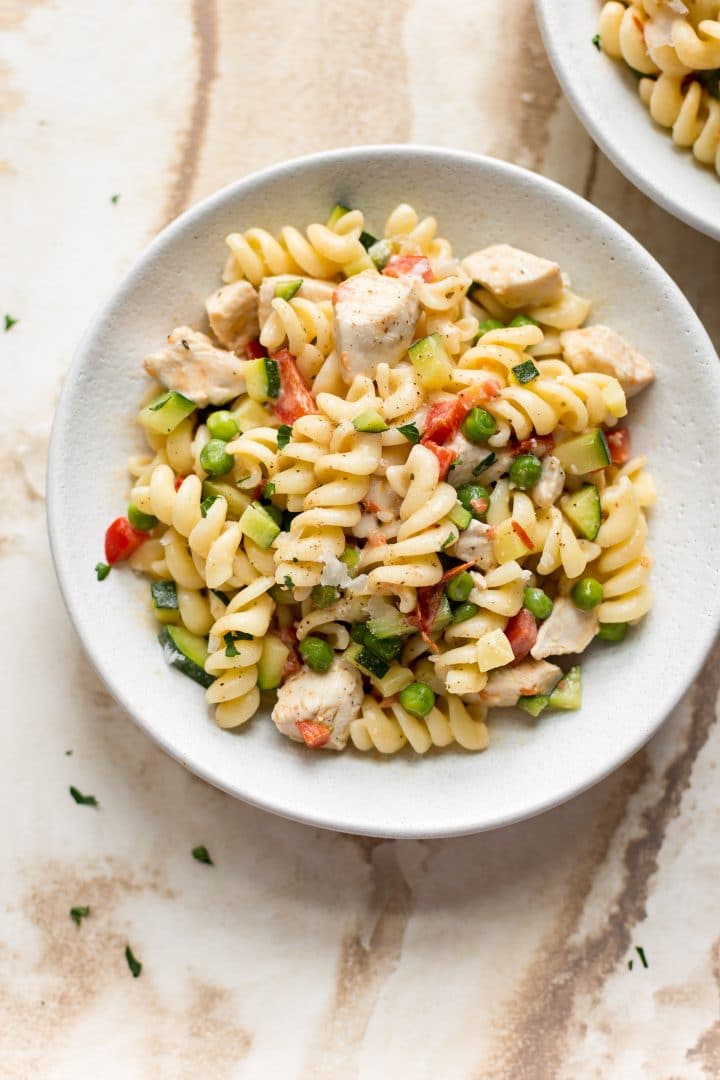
point(300, 953)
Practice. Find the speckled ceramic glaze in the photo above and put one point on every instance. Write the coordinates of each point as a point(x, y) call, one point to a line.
point(604, 94)
point(529, 766)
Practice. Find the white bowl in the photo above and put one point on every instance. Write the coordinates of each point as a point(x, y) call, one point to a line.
point(604, 95)
point(529, 766)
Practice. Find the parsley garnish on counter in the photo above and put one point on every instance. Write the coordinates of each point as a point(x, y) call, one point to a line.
point(83, 800)
point(202, 855)
point(132, 962)
point(9, 322)
point(77, 914)
point(114, 199)
point(102, 570)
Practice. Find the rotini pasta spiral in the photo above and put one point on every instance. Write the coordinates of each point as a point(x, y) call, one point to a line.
point(389, 729)
point(234, 691)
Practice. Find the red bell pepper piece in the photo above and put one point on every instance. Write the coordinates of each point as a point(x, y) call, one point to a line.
point(444, 456)
point(314, 733)
point(410, 265)
point(619, 445)
point(521, 632)
point(443, 420)
point(294, 399)
point(121, 540)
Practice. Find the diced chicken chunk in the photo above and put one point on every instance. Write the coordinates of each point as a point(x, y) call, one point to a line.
point(375, 319)
point(516, 278)
point(382, 501)
point(505, 685)
point(469, 456)
point(193, 366)
point(551, 483)
point(475, 545)
point(332, 700)
point(598, 348)
point(314, 289)
point(232, 312)
point(566, 630)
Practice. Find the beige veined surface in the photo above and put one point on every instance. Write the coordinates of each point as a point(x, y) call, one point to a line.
point(366, 520)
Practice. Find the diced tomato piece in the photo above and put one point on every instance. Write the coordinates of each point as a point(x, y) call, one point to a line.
point(294, 399)
point(444, 456)
point(178, 482)
point(314, 733)
point(254, 350)
point(619, 445)
point(121, 540)
point(518, 529)
point(411, 265)
point(521, 632)
point(443, 420)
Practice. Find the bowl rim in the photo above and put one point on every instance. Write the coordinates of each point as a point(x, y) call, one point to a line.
point(592, 121)
point(62, 557)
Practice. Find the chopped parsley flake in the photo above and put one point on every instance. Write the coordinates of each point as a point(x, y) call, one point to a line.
point(132, 962)
point(641, 953)
point(83, 800)
point(9, 322)
point(288, 582)
point(231, 637)
point(284, 436)
point(102, 570)
point(77, 914)
point(207, 503)
point(596, 42)
point(202, 855)
point(68, 753)
point(410, 432)
point(114, 199)
point(485, 463)
point(449, 539)
point(268, 491)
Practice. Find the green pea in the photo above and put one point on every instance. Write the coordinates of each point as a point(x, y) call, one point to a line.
point(477, 494)
point(479, 425)
point(316, 653)
point(487, 325)
point(525, 471)
point(463, 612)
point(522, 320)
point(214, 458)
point(139, 520)
point(417, 698)
point(222, 425)
point(460, 587)
point(612, 631)
point(538, 603)
point(587, 593)
point(324, 595)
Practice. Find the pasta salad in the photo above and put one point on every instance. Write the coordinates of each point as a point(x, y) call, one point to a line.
point(673, 49)
point(388, 488)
